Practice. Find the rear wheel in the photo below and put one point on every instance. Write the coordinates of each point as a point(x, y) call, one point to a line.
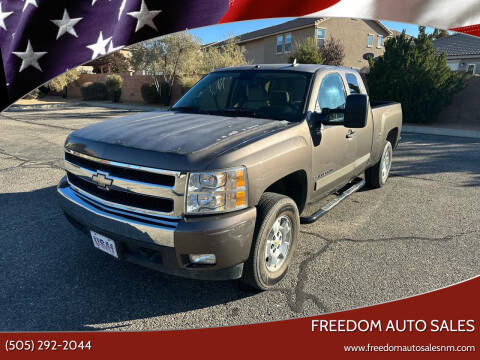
point(377, 175)
point(275, 238)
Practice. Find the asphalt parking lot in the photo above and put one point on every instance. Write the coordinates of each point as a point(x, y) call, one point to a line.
point(419, 233)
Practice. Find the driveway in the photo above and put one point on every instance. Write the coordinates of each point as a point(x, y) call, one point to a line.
point(418, 233)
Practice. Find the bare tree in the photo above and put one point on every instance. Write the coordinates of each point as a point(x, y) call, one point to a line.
point(166, 57)
point(180, 56)
point(225, 55)
point(332, 52)
point(213, 57)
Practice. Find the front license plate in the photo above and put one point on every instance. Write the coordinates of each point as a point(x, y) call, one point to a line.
point(104, 243)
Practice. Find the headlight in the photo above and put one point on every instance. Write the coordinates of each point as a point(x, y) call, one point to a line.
point(217, 191)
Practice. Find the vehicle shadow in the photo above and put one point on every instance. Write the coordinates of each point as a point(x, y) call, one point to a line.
point(53, 278)
point(427, 155)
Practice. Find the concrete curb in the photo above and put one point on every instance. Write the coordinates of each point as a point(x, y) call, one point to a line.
point(108, 105)
point(32, 107)
point(132, 107)
point(473, 134)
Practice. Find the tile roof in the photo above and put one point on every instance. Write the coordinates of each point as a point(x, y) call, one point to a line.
point(283, 27)
point(292, 24)
point(458, 45)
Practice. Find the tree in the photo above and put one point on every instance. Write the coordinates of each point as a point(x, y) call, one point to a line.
point(114, 84)
point(226, 55)
point(213, 57)
point(180, 56)
point(166, 57)
point(61, 82)
point(306, 52)
point(439, 33)
point(412, 73)
point(332, 52)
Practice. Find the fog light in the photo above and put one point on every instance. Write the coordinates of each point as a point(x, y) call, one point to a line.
point(209, 259)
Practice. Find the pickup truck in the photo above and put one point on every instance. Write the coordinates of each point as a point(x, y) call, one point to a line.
point(214, 188)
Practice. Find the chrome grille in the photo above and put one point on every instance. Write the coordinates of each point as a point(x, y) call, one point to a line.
point(126, 187)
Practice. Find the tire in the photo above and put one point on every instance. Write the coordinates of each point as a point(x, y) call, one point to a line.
point(377, 175)
point(260, 271)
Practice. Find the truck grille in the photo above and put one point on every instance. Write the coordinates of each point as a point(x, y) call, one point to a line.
point(122, 172)
point(129, 188)
point(122, 197)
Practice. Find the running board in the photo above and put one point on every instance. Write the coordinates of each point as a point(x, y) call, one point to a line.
point(353, 187)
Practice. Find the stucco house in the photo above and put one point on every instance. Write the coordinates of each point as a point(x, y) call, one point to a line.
point(274, 44)
point(462, 51)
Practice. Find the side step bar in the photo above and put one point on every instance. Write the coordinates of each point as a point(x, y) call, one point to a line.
point(352, 187)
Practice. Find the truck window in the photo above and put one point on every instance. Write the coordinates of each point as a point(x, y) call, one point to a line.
point(353, 84)
point(331, 95)
point(278, 95)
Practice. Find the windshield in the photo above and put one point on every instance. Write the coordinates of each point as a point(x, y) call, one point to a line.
point(265, 94)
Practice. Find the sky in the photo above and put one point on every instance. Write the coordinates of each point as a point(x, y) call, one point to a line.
point(221, 32)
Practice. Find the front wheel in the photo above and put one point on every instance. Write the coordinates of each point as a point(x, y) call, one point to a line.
point(275, 239)
point(377, 175)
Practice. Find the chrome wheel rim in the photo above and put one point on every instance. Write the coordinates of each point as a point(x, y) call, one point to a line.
point(386, 163)
point(278, 243)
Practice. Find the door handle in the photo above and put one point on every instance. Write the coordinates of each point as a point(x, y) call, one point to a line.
point(350, 134)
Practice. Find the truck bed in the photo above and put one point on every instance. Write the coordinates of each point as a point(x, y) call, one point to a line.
point(387, 116)
point(377, 104)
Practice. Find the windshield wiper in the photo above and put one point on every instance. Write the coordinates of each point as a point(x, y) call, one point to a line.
point(186, 109)
point(240, 112)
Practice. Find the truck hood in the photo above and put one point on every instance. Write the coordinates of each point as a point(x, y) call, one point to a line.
point(169, 140)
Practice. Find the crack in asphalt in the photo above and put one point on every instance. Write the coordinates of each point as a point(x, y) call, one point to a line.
point(297, 296)
point(30, 163)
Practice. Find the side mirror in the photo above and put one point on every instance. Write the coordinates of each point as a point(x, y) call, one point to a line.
point(356, 111)
point(316, 118)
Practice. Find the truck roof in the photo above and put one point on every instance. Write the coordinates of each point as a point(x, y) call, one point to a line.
point(311, 68)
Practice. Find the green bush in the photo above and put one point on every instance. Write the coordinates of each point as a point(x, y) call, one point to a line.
point(151, 95)
point(114, 86)
point(94, 91)
point(35, 94)
point(307, 53)
point(114, 82)
point(412, 73)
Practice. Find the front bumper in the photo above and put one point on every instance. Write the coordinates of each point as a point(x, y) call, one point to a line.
point(165, 246)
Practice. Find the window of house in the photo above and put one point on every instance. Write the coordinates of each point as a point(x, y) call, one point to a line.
point(454, 66)
point(353, 84)
point(331, 95)
point(320, 37)
point(379, 41)
point(279, 44)
point(370, 40)
point(288, 42)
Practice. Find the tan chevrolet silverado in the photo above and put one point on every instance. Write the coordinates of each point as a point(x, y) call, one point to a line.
point(216, 187)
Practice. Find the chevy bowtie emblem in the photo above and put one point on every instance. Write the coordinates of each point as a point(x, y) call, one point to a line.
point(102, 180)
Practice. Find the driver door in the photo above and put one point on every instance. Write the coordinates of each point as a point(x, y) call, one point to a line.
point(330, 155)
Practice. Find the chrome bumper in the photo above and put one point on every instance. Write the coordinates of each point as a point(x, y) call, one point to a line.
point(102, 217)
point(228, 236)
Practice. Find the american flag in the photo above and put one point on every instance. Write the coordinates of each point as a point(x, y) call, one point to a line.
point(40, 39)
